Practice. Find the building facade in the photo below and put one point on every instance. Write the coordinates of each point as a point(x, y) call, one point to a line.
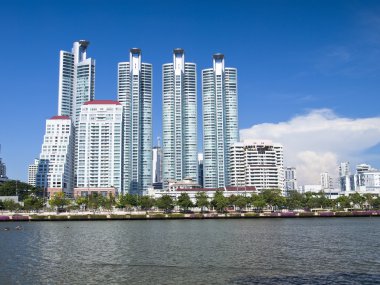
point(135, 95)
point(326, 181)
point(76, 80)
point(3, 169)
point(257, 163)
point(179, 122)
point(290, 174)
point(32, 172)
point(99, 157)
point(220, 121)
point(157, 164)
point(56, 166)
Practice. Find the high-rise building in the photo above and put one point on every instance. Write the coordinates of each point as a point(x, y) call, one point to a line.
point(179, 122)
point(99, 157)
point(220, 121)
point(257, 163)
point(3, 170)
point(55, 174)
point(326, 181)
point(32, 172)
point(157, 164)
point(290, 179)
point(344, 169)
point(200, 169)
point(76, 80)
point(135, 95)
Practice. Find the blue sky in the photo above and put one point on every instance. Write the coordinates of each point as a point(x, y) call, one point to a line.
point(292, 57)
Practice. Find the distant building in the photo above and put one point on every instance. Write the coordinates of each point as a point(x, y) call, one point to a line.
point(3, 169)
point(310, 188)
point(99, 165)
point(290, 174)
point(200, 169)
point(220, 121)
point(32, 172)
point(326, 181)
point(55, 170)
point(366, 179)
point(157, 164)
point(257, 163)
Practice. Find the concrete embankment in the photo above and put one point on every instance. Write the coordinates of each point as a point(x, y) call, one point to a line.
point(172, 216)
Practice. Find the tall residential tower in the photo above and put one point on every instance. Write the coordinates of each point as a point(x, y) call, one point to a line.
point(179, 123)
point(135, 94)
point(76, 80)
point(220, 121)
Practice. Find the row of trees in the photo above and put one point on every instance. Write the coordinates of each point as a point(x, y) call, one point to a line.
point(268, 199)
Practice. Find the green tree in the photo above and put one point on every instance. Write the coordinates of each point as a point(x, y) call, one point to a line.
point(184, 201)
point(343, 202)
point(82, 202)
point(368, 200)
point(273, 198)
point(219, 202)
point(241, 202)
point(258, 201)
point(294, 200)
point(376, 203)
point(128, 201)
point(1, 205)
point(11, 205)
point(146, 202)
point(18, 188)
point(202, 200)
point(357, 200)
point(165, 203)
point(232, 200)
point(59, 200)
point(33, 203)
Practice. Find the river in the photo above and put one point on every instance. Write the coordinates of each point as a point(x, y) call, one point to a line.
point(252, 251)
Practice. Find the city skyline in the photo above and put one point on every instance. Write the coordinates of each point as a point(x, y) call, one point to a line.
point(286, 72)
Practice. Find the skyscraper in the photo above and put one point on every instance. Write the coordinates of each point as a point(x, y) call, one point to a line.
point(157, 164)
point(76, 80)
point(220, 121)
point(55, 171)
point(179, 123)
point(135, 94)
point(99, 148)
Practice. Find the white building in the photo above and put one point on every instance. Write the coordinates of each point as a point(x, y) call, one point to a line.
point(179, 119)
point(220, 121)
point(366, 180)
point(76, 80)
point(157, 164)
point(257, 163)
point(326, 181)
point(290, 174)
point(3, 169)
point(55, 174)
point(135, 94)
point(99, 157)
point(32, 172)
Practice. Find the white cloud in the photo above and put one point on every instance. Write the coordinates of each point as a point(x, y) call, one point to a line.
point(319, 140)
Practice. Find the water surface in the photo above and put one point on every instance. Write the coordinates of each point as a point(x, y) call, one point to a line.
point(255, 251)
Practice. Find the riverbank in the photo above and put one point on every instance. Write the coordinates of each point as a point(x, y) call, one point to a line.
point(90, 216)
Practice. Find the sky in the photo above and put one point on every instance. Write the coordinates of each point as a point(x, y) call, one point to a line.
point(308, 71)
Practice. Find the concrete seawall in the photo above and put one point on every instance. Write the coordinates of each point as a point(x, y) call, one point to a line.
point(177, 216)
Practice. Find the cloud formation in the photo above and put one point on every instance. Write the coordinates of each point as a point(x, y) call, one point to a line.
point(317, 141)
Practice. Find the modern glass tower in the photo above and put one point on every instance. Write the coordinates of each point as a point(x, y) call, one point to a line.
point(76, 80)
point(135, 94)
point(220, 121)
point(179, 103)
